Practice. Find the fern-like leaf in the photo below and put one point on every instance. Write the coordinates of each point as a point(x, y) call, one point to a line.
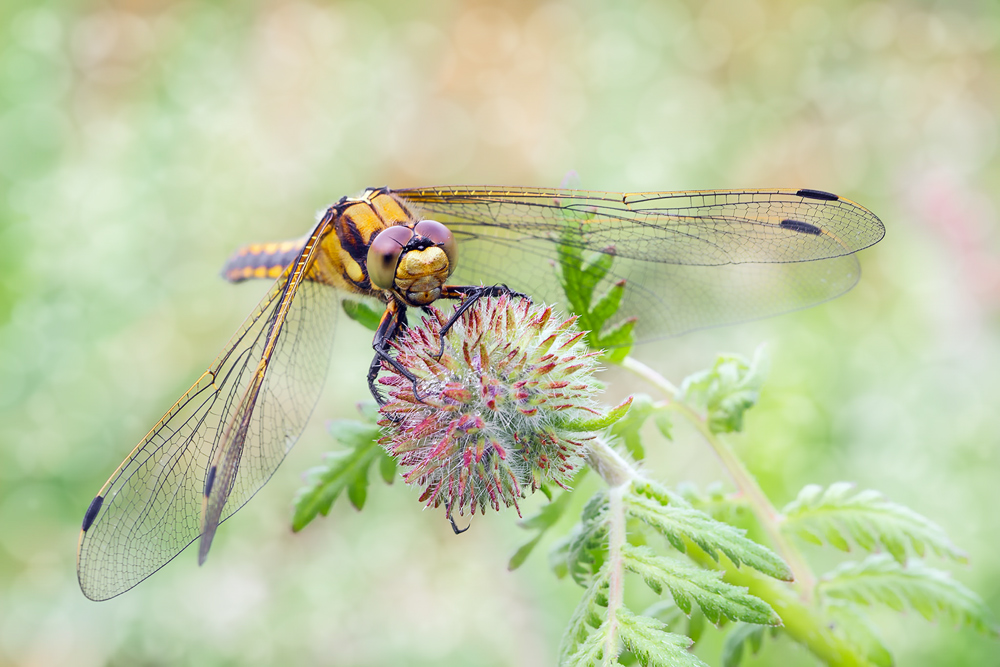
point(345, 470)
point(590, 652)
point(933, 593)
point(578, 641)
point(715, 502)
point(686, 583)
point(581, 553)
point(851, 624)
point(666, 611)
point(679, 521)
point(743, 635)
point(840, 515)
point(652, 645)
point(727, 390)
point(541, 523)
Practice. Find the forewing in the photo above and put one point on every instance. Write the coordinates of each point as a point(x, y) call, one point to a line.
point(153, 503)
point(690, 259)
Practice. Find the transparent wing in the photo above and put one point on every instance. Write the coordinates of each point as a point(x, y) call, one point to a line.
point(152, 505)
point(690, 259)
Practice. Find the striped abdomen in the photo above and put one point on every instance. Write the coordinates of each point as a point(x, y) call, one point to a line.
point(342, 252)
point(261, 260)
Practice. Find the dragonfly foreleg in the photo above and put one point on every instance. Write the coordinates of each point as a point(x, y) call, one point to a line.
point(392, 324)
point(469, 294)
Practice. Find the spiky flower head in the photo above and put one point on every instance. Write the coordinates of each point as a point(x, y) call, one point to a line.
point(492, 418)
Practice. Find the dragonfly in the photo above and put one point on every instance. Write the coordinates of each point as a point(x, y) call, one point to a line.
point(689, 260)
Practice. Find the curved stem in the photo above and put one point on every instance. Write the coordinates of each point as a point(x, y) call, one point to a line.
point(798, 617)
point(758, 501)
point(616, 569)
point(618, 474)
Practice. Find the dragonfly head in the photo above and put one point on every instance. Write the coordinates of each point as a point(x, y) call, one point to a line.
point(414, 261)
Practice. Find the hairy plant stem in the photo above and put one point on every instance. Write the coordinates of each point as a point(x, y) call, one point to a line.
point(757, 500)
point(799, 619)
point(616, 569)
point(618, 474)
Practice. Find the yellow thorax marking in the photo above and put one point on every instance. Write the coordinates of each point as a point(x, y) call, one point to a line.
point(353, 269)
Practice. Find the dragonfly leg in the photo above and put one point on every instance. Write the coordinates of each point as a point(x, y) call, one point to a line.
point(393, 322)
point(469, 294)
point(454, 526)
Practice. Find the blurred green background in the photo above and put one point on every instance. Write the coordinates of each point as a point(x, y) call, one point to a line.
point(142, 140)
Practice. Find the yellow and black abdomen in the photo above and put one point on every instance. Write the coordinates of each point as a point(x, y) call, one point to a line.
point(343, 235)
point(261, 260)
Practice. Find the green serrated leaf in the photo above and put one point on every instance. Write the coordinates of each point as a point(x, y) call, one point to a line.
point(649, 641)
point(339, 471)
point(677, 523)
point(357, 490)
point(688, 583)
point(521, 554)
point(851, 624)
point(581, 553)
point(664, 424)
point(580, 278)
point(835, 539)
point(696, 625)
point(546, 517)
point(617, 341)
point(589, 614)
point(627, 429)
point(387, 468)
point(626, 659)
point(352, 433)
point(666, 611)
point(362, 313)
point(727, 390)
point(840, 514)
point(591, 276)
point(880, 579)
point(741, 635)
point(607, 305)
point(600, 422)
point(713, 501)
point(660, 493)
point(570, 256)
point(559, 558)
point(590, 652)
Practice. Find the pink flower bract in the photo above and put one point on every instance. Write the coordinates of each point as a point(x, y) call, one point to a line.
point(487, 424)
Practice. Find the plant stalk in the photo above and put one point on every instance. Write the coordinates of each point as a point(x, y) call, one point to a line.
point(748, 487)
point(618, 474)
point(798, 618)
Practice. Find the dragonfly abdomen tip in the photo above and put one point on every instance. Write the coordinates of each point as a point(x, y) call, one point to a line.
point(209, 481)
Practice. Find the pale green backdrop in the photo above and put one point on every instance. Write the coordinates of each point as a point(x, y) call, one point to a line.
point(142, 140)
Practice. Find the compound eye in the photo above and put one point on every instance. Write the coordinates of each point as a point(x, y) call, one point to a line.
point(440, 236)
point(383, 255)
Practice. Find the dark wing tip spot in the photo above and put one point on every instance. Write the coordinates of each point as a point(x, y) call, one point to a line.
point(209, 481)
point(801, 227)
point(95, 507)
point(817, 194)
